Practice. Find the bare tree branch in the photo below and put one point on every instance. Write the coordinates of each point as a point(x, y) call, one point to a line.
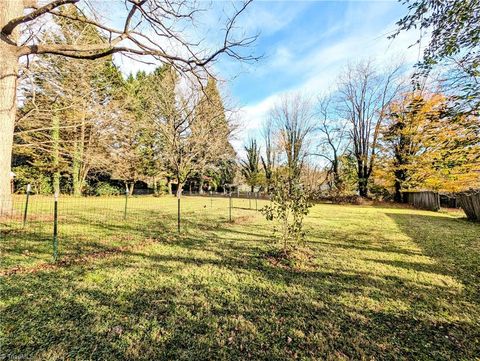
point(12, 24)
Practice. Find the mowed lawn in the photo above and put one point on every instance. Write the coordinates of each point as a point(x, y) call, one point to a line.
point(379, 283)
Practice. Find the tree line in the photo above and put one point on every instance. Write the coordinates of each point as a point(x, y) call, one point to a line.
point(82, 120)
point(372, 135)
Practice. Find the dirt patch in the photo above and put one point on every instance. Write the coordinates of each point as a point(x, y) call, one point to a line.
point(294, 259)
point(242, 219)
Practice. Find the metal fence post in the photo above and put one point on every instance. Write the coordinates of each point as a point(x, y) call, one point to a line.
point(178, 214)
point(126, 202)
point(55, 228)
point(211, 199)
point(250, 200)
point(230, 208)
point(256, 201)
point(25, 212)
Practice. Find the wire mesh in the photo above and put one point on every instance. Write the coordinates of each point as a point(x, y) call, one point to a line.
point(89, 225)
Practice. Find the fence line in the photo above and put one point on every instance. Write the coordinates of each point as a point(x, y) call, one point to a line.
point(424, 200)
point(91, 224)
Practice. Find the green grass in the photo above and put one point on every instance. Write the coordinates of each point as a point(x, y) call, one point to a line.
point(379, 283)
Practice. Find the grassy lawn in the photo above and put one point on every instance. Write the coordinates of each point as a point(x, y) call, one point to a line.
point(379, 283)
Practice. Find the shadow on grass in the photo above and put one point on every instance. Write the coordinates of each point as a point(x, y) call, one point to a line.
point(210, 295)
point(453, 243)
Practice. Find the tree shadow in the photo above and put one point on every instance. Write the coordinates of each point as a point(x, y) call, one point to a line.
point(211, 295)
point(456, 253)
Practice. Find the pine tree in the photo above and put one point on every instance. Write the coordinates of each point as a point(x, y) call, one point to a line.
point(250, 168)
point(62, 125)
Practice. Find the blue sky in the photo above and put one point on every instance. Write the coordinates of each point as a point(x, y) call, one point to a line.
point(305, 46)
point(296, 33)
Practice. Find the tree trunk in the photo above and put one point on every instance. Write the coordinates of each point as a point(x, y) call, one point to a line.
point(337, 179)
point(78, 162)
point(179, 194)
point(132, 188)
point(76, 169)
point(362, 187)
point(200, 184)
point(8, 100)
point(169, 185)
point(362, 174)
point(155, 188)
point(398, 197)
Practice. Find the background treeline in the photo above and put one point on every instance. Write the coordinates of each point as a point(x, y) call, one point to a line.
point(373, 135)
point(85, 129)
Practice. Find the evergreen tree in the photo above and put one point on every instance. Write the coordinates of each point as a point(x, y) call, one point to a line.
point(61, 128)
point(210, 110)
point(250, 168)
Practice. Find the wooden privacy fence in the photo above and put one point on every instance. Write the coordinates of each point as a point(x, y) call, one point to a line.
point(470, 203)
point(424, 200)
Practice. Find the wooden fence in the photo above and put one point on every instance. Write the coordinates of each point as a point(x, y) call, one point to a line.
point(470, 203)
point(424, 200)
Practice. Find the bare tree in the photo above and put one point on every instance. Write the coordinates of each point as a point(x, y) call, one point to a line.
point(365, 93)
point(292, 118)
point(152, 28)
point(333, 139)
point(269, 161)
point(188, 141)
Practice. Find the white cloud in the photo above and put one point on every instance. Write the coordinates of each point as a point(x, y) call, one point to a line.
point(318, 66)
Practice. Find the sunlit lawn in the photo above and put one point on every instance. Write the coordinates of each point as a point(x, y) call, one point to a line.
point(379, 283)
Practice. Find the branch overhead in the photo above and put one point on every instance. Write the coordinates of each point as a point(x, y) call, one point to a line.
point(152, 28)
point(12, 24)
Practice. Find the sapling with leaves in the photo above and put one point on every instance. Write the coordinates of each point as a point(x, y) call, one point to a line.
point(288, 208)
point(292, 118)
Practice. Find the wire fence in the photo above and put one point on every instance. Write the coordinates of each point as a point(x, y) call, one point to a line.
point(39, 228)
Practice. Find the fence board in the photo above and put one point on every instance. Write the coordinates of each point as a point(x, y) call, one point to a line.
point(470, 203)
point(425, 200)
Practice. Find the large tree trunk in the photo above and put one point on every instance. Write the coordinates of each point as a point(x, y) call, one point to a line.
point(362, 187)
point(337, 179)
point(8, 102)
point(400, 177)
point(362, 179)
point(363, 175)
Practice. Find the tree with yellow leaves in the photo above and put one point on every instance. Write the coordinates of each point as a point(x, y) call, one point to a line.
point(429, 148)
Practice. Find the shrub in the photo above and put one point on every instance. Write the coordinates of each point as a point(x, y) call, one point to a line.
point(106, 189)
point(41, 183)
point(290, 204)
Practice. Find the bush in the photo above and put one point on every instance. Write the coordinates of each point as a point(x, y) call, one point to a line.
point(379, 192)
point(290, 204)
point(106, 189)
point(41, 183)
